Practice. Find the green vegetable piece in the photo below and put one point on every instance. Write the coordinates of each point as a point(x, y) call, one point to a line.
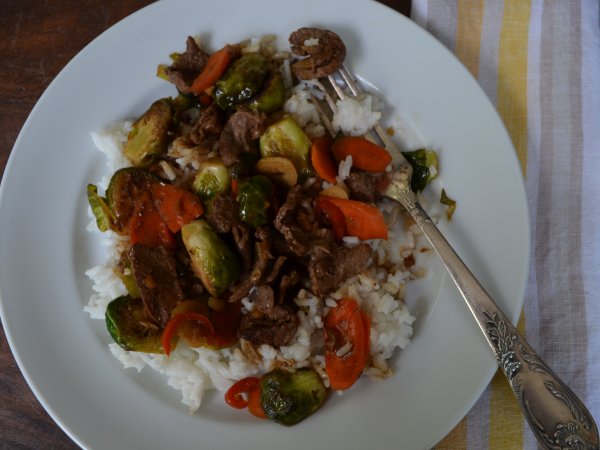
point(271, 98)
point(149, 135)
point(161, 72)
point(288, 398)
point(451, 204)
point(212, 260)
point(124, 187)
point(130, 327)
point(254, 199)
point(286, 138)
point(102, 213)
point(242, 80)
point(422, 160)
point(212, 178)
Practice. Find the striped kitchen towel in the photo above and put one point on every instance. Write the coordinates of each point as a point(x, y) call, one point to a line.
point(539, 63)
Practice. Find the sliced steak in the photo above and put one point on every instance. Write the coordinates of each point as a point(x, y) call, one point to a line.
point(208, 126)
point(287, 224)
point(268, 323)
point(262, 256)
point(288, 281)
point(188, 66)
point(363, 186)
point(328, 269)
point(156, 277)
point(222, 213)
point(223, 216)
point(242, 236)
point(238, 134)
point(280, 261)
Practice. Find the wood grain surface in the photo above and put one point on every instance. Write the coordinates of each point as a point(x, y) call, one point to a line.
point(37, 39)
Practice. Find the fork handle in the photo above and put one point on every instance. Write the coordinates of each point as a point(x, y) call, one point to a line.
point(557, 417)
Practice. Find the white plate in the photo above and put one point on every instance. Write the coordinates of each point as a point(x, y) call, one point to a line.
point(45, 248)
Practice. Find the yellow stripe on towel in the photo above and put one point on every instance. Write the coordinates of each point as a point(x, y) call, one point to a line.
point(506, 420)
point(511, 100)
point(467, 42)
point(468, 33)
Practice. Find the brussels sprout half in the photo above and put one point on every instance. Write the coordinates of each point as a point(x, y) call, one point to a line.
point(242, 80)
point(149, 135)
point(286, 138)
point(212, 260)
point(130, 326)
point(212, 178)
point(290, 397)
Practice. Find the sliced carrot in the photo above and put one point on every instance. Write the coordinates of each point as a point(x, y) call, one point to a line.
point(234, 187)
point(322, 160)
point(205, 99)
point(335, 217)
point(215, 67)
point(175, 205)
point(365, 154)
point(362, 220)
point(347, 331)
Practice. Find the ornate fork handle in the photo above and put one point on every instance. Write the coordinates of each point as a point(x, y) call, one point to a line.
point(557, 417)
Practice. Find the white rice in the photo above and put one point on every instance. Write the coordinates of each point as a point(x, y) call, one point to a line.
point(379, 292)
point(355, 116)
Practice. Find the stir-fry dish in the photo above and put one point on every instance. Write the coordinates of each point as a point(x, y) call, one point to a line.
point(253, 250)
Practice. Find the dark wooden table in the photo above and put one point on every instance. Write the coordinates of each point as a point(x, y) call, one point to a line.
point(37, 39)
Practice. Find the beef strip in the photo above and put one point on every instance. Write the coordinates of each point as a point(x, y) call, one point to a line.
point(330, 265)
point(208, 126)
point(262, 256)
point(288, 282)
point(286, 223)
point(223, 215)
point(156, 277)
point(268, 323)
point(280, 261)
point(188, 66)
point(242, 235)
point(238, 134)
point(324, 58)
point(363, 186)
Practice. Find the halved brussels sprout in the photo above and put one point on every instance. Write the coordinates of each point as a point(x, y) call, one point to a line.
point(149, 135)
point(131, 327)
point(286, 138)
point(124, 187)
point(212, 178)
point(212, 260)
point(271, 98)
point(290, 397)
point(242, 80)
point(253, 199)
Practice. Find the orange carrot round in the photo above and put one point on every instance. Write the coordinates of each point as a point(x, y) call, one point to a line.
point(362, 220)
point(346, 327)
point(321, 159)
point(175, 205)
point(215, 67)
point(365, 154)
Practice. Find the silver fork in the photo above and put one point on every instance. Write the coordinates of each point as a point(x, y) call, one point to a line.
point(556, 415)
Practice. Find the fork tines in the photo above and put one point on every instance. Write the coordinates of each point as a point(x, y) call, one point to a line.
point(341, 86)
